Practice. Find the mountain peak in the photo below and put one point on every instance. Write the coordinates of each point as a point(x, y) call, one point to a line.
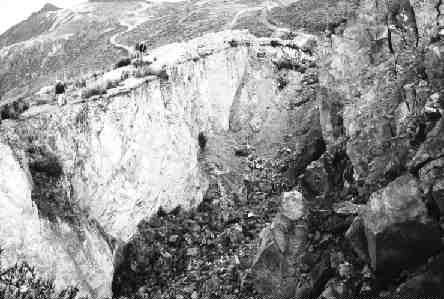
point(48, 7)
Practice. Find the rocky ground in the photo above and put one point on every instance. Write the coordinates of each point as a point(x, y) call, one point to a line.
point(355, 212)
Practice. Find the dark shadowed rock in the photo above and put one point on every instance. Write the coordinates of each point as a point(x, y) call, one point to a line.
point(428, 283)
point(399, 231)
point(315, 180)
point(432, 179)
point(432, 148)
point(434, 64)
point(356, 236)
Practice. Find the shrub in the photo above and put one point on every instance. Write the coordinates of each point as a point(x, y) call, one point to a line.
point(282, 82)
point(202, 139)
point(110, 84)
point(125, 75)
point(233, 43)
point(123, 62)
point(14, 109)
point(93, 91)
point(22, 282)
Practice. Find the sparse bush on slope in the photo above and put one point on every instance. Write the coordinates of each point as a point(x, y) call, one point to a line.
point(123, 62)
point(93, 91)
point(22, 282)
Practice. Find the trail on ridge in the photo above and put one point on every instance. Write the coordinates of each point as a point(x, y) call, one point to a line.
point(266, 8)
point(130, 23)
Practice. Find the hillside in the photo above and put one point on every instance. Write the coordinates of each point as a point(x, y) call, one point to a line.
point(92, 36)
point(302, 157)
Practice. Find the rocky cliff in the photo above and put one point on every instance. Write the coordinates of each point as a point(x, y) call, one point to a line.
point(380, 103)
point(84, 175)
point(351, 118)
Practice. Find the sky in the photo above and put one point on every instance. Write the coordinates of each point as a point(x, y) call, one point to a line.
point(14, 11)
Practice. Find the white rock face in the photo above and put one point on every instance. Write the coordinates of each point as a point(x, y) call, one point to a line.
point(125, 155)
point(60, 251)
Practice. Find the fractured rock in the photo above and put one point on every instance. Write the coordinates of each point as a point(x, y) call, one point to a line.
point(399, 231)
point(432, 148)
point(357, 239)
point(280, 244)
point(432, 178)
point(428, 283)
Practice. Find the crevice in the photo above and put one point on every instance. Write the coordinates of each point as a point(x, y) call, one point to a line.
point(415, 170)
point(49, 191)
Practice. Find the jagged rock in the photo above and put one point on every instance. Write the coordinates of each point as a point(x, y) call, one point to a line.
point(331, 117)
point(317, 278)
point(292, 205)
point(336, 289)
point(347, 208)
point(304, 41)
point(280, 243)
point(434, 64)
point(432, 148)
point(363, 102)
point(315, 179)
point(77, 253)
point(331, 173)
point(309, 144)
point(119, 156)
point(358, 241)
point(434, 107)
point(432, 179)
point(429, 283)
point(399, 231)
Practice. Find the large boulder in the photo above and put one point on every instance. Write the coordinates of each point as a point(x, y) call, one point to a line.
point(432, 178)
point(432, 148)
point(399, 231)
point(281, 243)
point(427, 283)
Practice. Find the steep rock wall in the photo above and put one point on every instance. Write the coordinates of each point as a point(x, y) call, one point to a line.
point(90, 171)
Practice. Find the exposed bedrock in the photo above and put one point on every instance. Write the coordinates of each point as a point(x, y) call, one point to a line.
point(84, 175)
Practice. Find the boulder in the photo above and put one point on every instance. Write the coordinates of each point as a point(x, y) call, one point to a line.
point(432, 179)
point(315, 179)
point(304, 41)
point(399, 231)
point(337, 289)
point(434, 64)
point(428, 283)
point(281, 243)
point(357, 239)
point(432, 148)
point(331, 174)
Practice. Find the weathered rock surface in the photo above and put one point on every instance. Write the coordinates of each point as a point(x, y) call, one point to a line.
point(432, 148)
point(399, 231)
point(60, 250)
point(428, 283)
point(432, 179)
point(96, 168)
point(373, 93)
point(215, 109)
point(280, 244)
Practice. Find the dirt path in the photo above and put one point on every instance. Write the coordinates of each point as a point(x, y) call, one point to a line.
point(130, 23)
point(266, 8)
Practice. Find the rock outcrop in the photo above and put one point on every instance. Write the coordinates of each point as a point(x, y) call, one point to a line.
point(357, 114)
point(399, 231)
point(280, 245)
point(95, 168)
